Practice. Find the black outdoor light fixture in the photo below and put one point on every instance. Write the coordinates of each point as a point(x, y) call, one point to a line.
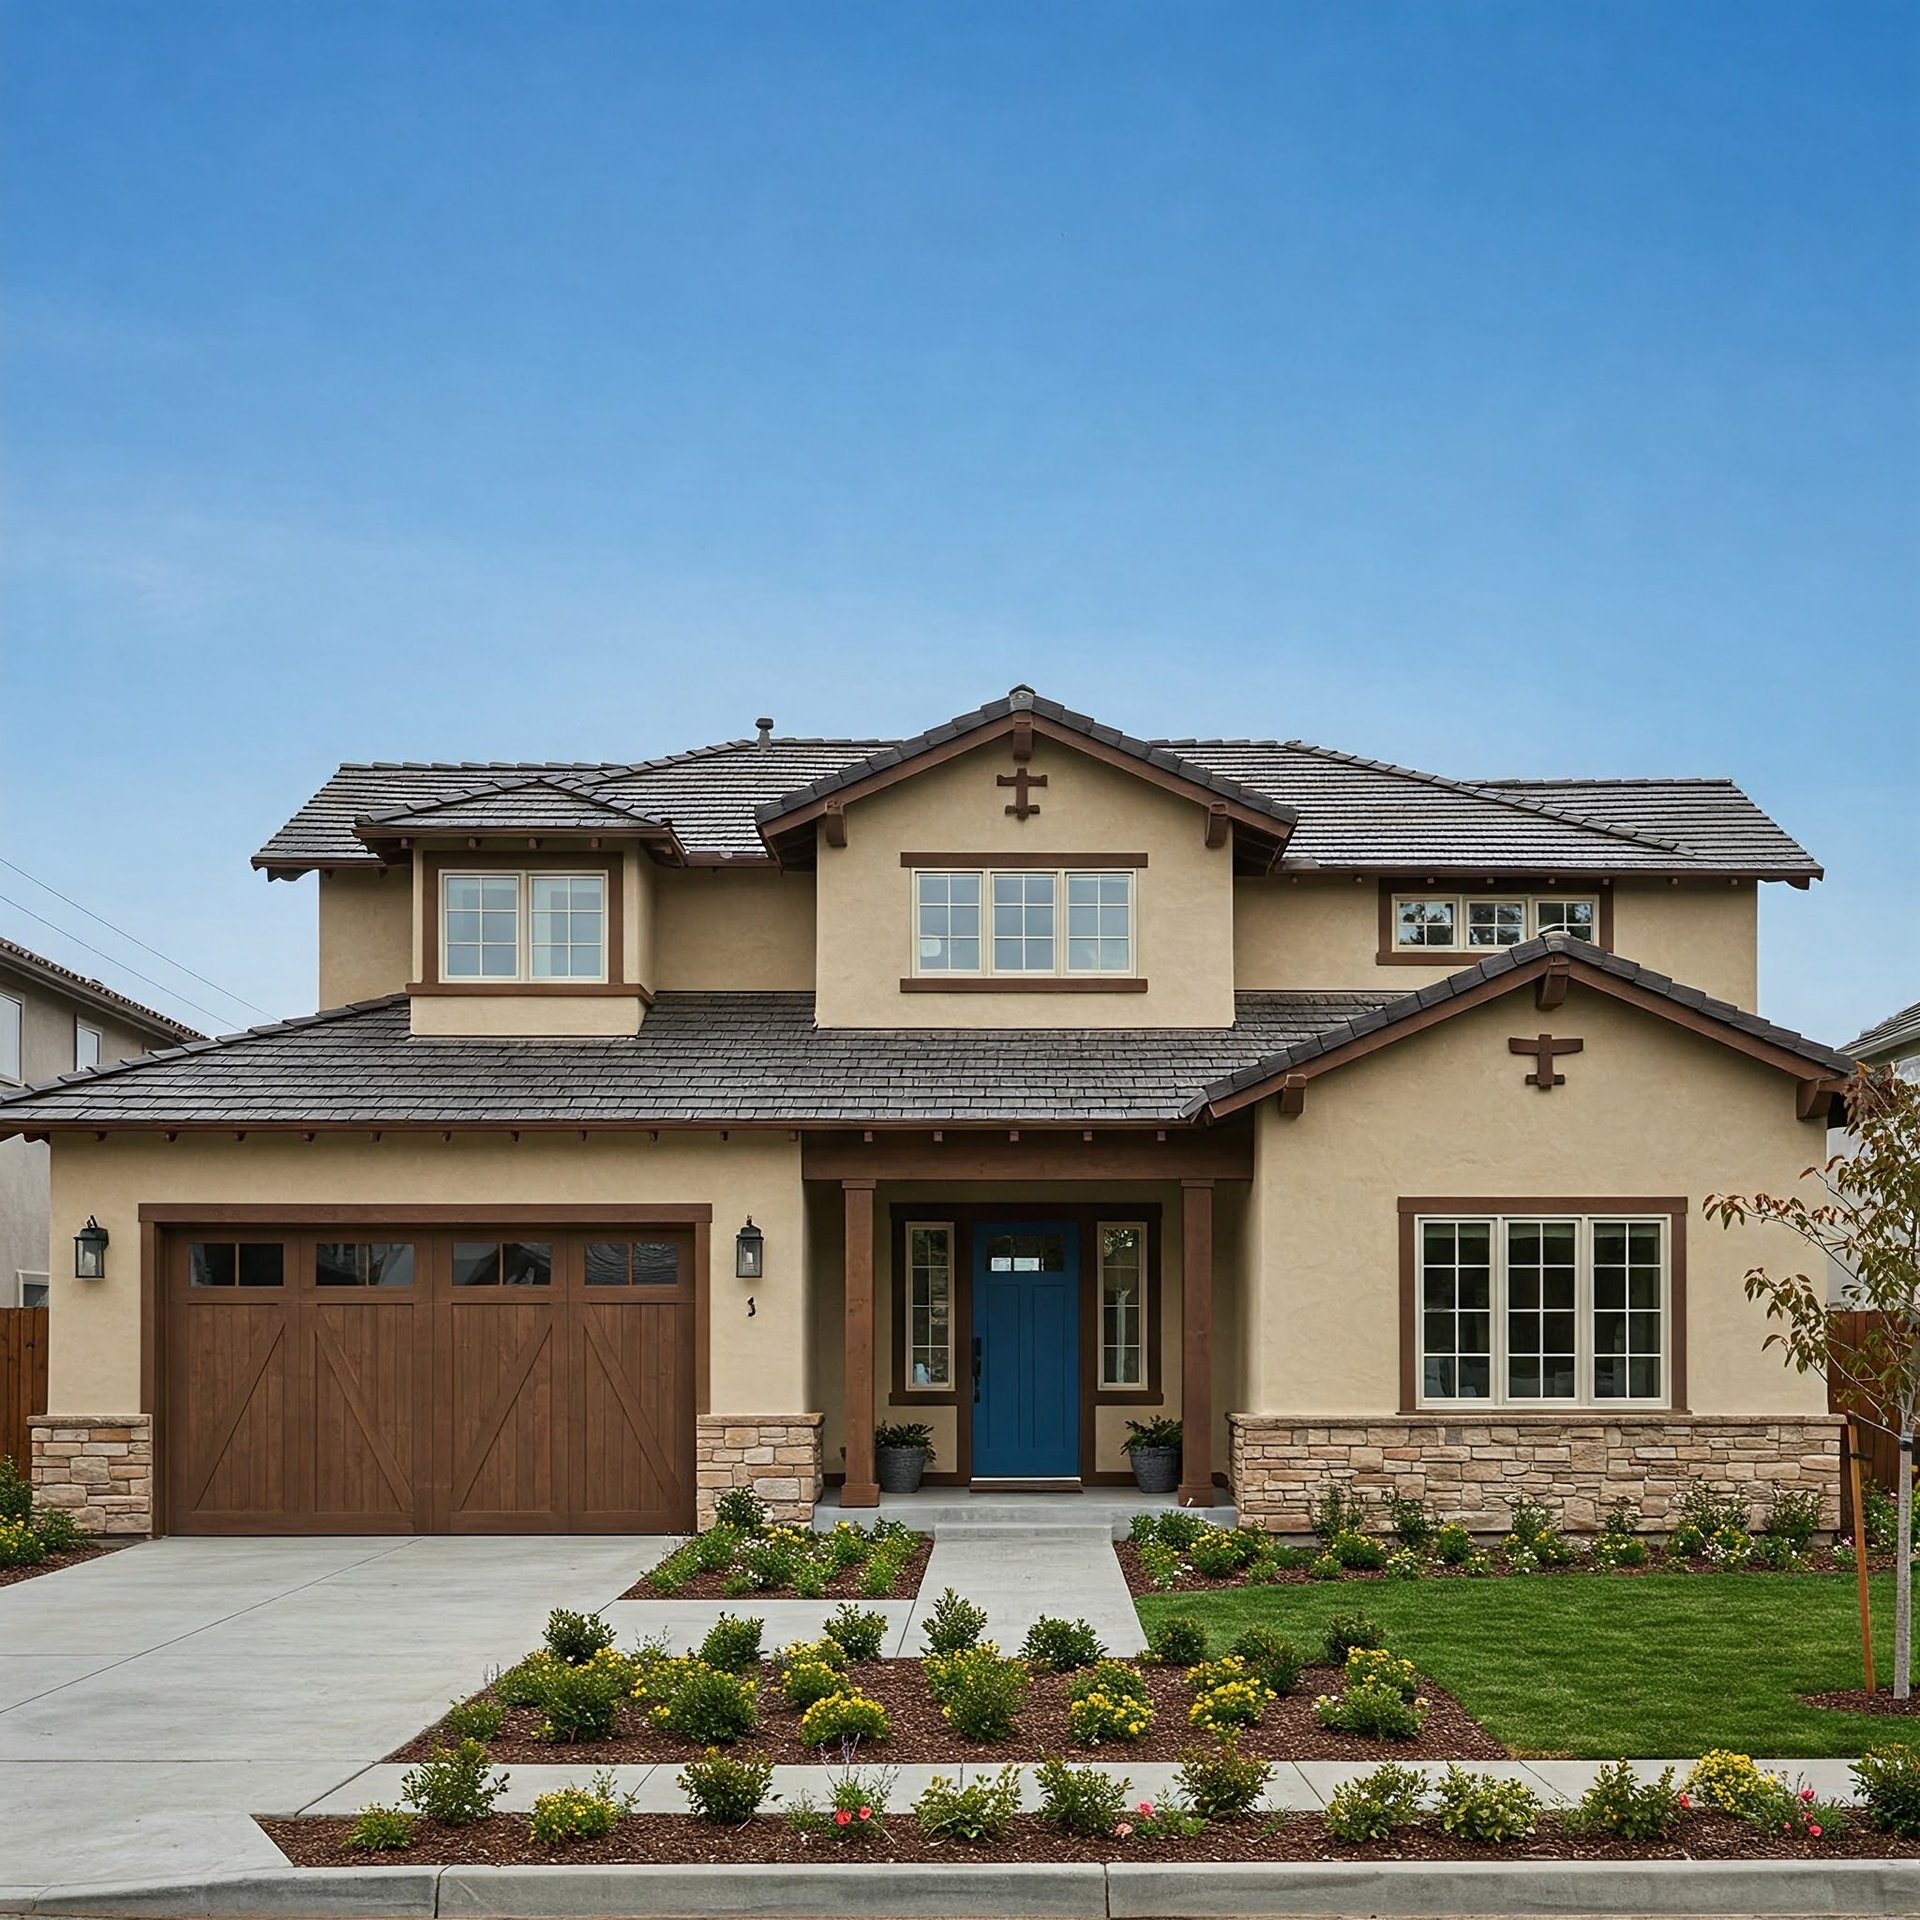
point(748, 1246)
point(90, 1251)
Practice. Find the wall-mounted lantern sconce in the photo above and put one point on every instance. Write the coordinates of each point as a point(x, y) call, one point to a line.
point(749, 1246)
point(90, 1251)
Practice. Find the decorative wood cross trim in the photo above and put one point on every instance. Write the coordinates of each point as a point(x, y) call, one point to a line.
point(1543, 1049)
point(1021, 781)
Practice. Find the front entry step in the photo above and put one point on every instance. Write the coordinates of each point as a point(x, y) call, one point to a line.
point(1106, 1512)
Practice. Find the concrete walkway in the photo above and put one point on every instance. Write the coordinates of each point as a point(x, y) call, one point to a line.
point(1018, 1573)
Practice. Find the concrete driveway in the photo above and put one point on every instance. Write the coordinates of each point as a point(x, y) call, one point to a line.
point(151, 1700)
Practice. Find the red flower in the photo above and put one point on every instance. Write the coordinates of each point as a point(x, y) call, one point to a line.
point(1813, 1828)
point(1806, 1793)
point(1686, 1800)
point(866, 1813)
point(1146, 1807)
point(1122, 1830)
point(842, 1817)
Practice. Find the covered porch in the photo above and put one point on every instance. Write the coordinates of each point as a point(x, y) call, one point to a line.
point(1024, 1294)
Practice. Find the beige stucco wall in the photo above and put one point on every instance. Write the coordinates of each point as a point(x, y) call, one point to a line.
point(733, 930)
point(759, 1365)
point(526, 1015)
point(1297, 932)
point(1648, 1110)
point(366, 934)
point(1184, 897)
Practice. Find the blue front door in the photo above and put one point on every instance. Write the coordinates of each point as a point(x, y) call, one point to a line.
point(1026, 1351)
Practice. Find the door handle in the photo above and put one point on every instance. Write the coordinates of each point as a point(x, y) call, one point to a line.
point(976, 1369)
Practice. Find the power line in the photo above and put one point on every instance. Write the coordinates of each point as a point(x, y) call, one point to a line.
point(239, 1000)
point(173, 993)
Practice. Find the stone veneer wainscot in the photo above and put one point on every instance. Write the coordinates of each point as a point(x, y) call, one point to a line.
point(777, 1455)
point(1467, 1466)
point(96, 1466)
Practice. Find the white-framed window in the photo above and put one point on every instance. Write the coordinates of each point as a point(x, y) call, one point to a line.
point(523, 926)
point(1123, 1303)
point(929, 1330)
point(1480, 923)
point(31, 1287)
point(12, 1016)
point(86, 1045)
point(1009, 923)
point(1522, 1310)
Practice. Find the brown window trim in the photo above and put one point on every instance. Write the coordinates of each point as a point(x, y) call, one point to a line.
point(1675, 1209)
point(434, 864)
point(1032, 862)
point(544, 989)
point(1599, 888)
point(1013, 983)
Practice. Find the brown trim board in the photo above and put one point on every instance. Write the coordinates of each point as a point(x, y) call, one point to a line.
point(1036, 862)
point(1014, 983)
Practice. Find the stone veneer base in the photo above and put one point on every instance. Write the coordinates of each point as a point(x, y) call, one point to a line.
point(97, 1467)
point(777, 1455)
point(1468, 1466)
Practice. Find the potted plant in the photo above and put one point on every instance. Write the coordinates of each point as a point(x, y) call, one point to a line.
point(901, 1454)
point(1153, 1448)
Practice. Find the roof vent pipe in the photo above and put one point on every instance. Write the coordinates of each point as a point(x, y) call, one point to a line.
point(766, 731)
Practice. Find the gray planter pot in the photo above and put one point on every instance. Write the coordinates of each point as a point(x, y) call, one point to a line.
point(1155, 1469)
point(898, 1469)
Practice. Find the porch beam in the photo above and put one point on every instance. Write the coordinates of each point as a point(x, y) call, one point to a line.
point(1196, 1343)
point(860, 1488)
point(1040, 1153)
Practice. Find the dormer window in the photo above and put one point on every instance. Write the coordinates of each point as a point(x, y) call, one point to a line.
point(1449, 923)
point(520, 926)
point(1031, 922)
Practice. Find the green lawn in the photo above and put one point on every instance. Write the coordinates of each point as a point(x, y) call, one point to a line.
point(1656, 1665)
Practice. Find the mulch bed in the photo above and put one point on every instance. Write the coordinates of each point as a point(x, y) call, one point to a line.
point(54, 1562)
point(1288, 1732)
point(1858, 1700)
point(843, 1586)
point(665, 1839)
point(1820, 1560)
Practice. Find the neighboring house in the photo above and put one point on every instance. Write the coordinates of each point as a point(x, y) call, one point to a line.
point(672, 1122)
point(53, 1021)
point(1894, 1043)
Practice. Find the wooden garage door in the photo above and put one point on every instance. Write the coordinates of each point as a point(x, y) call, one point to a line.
point(492, 1381)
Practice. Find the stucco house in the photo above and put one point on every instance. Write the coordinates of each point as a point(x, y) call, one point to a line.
point(670, 1123)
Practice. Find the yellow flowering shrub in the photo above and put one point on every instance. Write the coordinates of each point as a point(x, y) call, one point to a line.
point(1099, 1716)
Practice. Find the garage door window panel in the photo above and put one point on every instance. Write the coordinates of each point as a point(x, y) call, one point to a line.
point(363, 1263)
point(504, 1263)
point(243, 1263)
point(633, 1263)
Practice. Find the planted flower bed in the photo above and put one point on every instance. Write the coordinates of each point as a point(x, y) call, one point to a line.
point(36, 1539)
point(740, 1555)
point(1725, 1809)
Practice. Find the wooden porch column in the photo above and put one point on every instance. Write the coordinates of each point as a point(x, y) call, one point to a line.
point(1196, 1343)
point(860, 1488)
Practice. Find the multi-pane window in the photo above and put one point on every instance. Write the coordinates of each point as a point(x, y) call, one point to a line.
point(929, 1328)
point(1123, 1304)
point(363, 1263)
point(1023, 932)
point(633, 1263)
point(523, 926)
point(86, 1046)
point(1463, 923)
point(245, 1263)
point(1516, 1310)
point(10, 1011)
point(510, 1263)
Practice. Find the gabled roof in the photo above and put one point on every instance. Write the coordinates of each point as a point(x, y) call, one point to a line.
point(1557, 954)
point(1898, 1030)
point(542, 803)
point(93, 993)
point(1259, 818)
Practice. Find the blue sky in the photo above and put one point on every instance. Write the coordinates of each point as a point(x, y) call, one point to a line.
point(1495, 388)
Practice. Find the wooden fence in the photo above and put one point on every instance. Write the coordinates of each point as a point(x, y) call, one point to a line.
point(1881, 1464)
point(23, 1378)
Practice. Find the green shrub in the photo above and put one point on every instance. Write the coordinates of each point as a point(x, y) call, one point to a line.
point(1112, 1677)
point(707, 1706)
point(1221, 1552)
point(583, 1703)
point(860, 1636)
point(1404, 1564)
point(1376, 1806)
point(738, 1583)
point(1619, 1550)
point(1179, 1529)
point(57, 1530)
point(1622, 1804)
point(741, 1510)
point(16, 1491)
point(576, 1637)
point(725, 1790)
point(714, 1550)
point(1376, 1667)
point(771, 1560)
point(1732, 1783)
point(380, 1830)
point(732, 1644)
point(803, 1682)
point(1484, 1810)
point(477, 1719)
point(1793, 1517)
point(810, 1577)
point(1372, 1711)
point(1529, 1519)
point(1731, 1548)
point(1550, 1549)
point(1273, 1661)
point(1452, 1544)
point(1336, 1512)
point(1086, 1801)
point(1233, 1704)
point(953, 1624)
point(1345, 1631)
point(1061, 1646)
point(845, 1717)
point(1711, 1511)
point(1096, 1716)
point(672, 1573)
point(1623, 1519)
point(1685, 1541)
point(845, 1545)
point(1410, 1520)
point(453, 1787)
point(1323, 1567)
point(524, 1684)
point(1178, 1641)
point(1889, 1781)
point(1162, 1565)
point(975, 1814)
point(856, 1809)
point(980, 1694)
point(1224, 1784)
point(578, 1813)
point(20, 1546)
point(881, 1574)
point(1143, 1527)
point(1358, 1552)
